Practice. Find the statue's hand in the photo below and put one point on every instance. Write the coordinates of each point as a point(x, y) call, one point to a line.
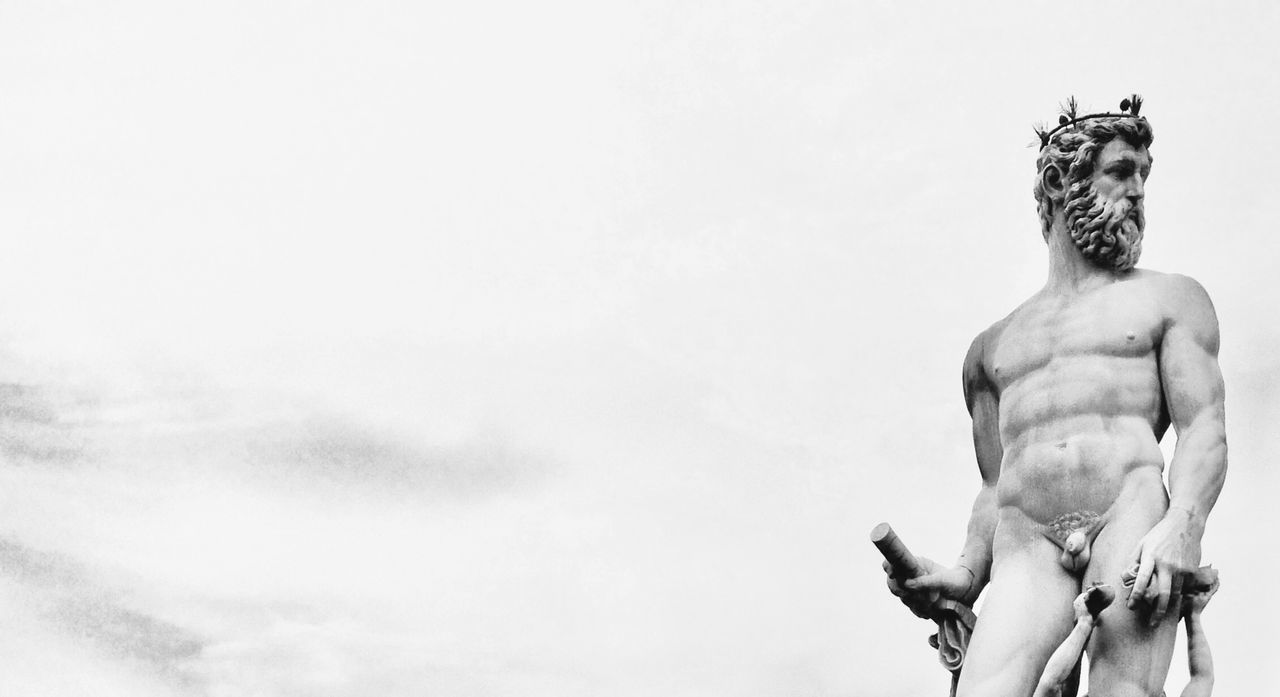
point(920, 593)
point(1081, 606)
point(1193, 603)
point(1164, 555)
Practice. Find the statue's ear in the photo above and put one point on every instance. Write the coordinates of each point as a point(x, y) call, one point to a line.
point(1053, 182)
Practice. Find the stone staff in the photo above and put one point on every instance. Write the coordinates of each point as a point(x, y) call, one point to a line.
point(895, 552)
point(955, 620)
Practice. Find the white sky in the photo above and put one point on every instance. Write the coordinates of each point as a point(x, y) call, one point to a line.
point(559, 349)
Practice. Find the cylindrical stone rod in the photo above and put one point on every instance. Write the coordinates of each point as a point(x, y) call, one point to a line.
point(900, 558)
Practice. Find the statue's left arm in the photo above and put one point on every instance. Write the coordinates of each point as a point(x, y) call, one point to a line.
point(1193, 390)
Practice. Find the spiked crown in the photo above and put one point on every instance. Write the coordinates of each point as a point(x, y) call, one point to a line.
point(1129, 108)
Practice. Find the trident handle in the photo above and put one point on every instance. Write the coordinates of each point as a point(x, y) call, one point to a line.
point(891, 546)
point(955, 619)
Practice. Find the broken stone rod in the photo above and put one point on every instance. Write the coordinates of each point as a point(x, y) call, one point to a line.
point(900, 558)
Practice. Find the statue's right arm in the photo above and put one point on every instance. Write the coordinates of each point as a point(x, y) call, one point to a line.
point(983, 403)
point(965, 580)
point(1199, 659)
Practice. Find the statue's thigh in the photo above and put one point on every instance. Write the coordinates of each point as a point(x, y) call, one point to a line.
point(1026, 613)
point(1127, 656)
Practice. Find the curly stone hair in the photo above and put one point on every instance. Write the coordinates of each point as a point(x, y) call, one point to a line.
point(1075, 152)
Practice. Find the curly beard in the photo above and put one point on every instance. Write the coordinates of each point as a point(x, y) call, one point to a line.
point(1107, 233)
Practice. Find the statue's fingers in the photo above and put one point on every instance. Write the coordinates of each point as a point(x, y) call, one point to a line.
point(894, 587)
point(1141, 584)
point(927, 582)
point(1128, 576)
point(1152, 591)
point(888, 568)
point(1175, 595)
point(1163, 587)
point(1213, 588)
point(1081, 604)
point(915, 605)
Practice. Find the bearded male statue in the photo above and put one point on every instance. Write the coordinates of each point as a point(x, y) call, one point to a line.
point(1070, 395)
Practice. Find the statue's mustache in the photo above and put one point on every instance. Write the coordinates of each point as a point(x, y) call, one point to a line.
point(1128, 211)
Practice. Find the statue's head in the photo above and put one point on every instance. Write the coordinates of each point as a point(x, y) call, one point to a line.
point(1093, 170)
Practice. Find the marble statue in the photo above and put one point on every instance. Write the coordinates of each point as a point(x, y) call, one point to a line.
point(1070, 394)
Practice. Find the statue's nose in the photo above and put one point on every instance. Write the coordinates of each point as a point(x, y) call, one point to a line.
point(1137, 191)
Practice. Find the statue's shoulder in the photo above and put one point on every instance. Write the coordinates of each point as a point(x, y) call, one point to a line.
point(1166, 282)
point(977, 361)
point(1176, 292)
point(975, 374)
point(990, 337)
point(1183, 303)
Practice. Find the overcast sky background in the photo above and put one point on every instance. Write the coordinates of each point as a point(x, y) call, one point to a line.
point(561, 348)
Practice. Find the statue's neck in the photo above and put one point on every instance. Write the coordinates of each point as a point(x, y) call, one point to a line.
point(1069, 271)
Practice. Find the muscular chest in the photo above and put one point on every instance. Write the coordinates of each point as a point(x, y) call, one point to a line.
point(1059, 332)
